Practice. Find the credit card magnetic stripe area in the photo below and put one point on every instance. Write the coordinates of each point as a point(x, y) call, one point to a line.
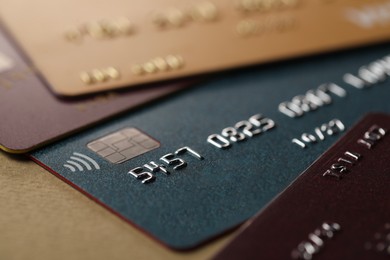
point(31, 116)
point(337, 208)
point(141, 42)
point(202, 162)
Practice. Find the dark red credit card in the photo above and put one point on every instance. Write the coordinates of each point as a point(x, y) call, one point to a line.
point(339, 208)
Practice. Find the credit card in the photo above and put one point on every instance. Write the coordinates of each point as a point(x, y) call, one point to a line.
point(195, 165)
point(31, 116)
point(88, 46)
point(336, 209)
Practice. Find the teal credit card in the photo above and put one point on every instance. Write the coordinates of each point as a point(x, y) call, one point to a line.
point(201, 162)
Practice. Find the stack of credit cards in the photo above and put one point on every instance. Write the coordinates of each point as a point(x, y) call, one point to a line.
point(189, 159)
point(202, 162)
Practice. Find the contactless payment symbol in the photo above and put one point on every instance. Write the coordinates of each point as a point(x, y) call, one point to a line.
point(81, 162)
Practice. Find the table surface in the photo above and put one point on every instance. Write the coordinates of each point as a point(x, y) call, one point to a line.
point(42, 217)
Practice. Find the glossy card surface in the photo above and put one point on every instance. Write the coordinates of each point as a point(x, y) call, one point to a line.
point(336, 209)
point(90, 46)
point(188, 190)
point(31, 116)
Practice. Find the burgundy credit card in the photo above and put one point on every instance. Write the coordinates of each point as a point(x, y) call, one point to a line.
point(31, 116)
point(339, 208)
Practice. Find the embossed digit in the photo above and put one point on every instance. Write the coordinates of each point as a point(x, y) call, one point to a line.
point(170, 159)
point(218, 141)
point(140, 174)
point(247, 128)
point(232, 134)
point(263, 122)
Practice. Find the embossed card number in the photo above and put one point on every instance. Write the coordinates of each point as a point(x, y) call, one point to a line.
point(242, 130)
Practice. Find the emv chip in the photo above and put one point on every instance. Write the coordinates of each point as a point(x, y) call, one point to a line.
point(123, 145)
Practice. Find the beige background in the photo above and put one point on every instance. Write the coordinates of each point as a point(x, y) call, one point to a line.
point(42, 217)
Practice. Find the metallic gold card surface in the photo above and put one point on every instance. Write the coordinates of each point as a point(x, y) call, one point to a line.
point(87, 46)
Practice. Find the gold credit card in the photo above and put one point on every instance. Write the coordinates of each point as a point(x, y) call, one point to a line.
point(88, 46)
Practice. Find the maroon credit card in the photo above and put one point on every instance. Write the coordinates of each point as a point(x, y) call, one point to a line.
point(31, 116)
point(339, 208)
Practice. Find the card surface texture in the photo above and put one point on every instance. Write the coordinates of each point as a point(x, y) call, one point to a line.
point(201, 162)
point(336, 209)
point(88, 46)
point(31, 116)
